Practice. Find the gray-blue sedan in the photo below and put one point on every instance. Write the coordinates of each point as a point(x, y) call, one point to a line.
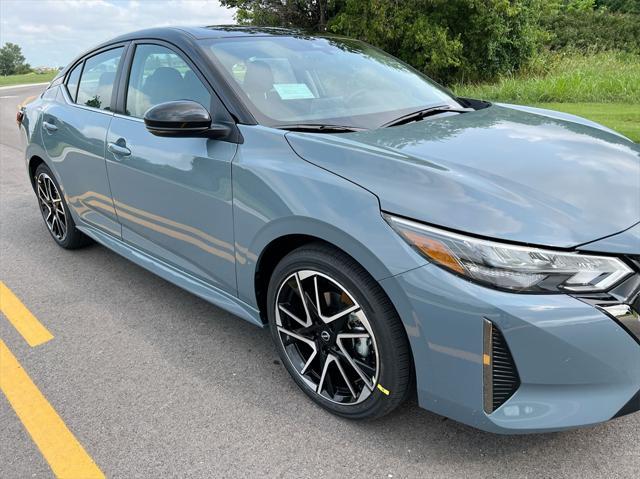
point(394, 237)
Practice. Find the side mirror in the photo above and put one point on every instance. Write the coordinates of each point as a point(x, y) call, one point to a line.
point(183, 118)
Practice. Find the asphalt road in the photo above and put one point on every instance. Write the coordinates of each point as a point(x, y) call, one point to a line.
point(155, 382)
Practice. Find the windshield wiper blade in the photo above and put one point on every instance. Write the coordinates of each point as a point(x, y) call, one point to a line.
point(319, 128)
point(420, 114)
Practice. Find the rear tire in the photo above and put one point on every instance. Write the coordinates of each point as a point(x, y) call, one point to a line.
point(55, 211)
point(346, 324)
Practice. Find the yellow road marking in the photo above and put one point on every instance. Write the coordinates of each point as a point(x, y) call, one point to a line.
point(33, 332)
point(26, 100)
point(66, 457)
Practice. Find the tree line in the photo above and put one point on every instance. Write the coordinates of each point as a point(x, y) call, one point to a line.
point(12, 61)
point(460, 40)
point(452, 41)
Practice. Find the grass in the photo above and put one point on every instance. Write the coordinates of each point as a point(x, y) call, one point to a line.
point(604, 87)
point(27, 78)
point(607, 77)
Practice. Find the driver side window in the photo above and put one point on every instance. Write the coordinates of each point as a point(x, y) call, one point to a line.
point(159, 75)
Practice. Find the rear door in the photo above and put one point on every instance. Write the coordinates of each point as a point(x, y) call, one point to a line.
point(172, 195)
point(74, 132)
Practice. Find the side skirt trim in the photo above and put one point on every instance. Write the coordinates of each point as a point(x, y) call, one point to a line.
point(184, 280)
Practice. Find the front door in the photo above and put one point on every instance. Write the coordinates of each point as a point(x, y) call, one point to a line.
point(172, 195)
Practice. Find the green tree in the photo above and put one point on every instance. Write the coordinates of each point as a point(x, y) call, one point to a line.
point(451, 40)
point(579, 5)
point(620, 6)
point(311, 14)
point(400, 29)
point(593, 30)
point(12, 60)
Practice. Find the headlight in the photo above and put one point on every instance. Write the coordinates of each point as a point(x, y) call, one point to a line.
point(515, 268)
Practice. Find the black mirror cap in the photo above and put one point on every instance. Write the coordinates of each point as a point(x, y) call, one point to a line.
point(176, 117)
point(186, 118)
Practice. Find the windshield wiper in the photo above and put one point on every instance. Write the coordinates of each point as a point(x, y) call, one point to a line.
point(319, 128)
point(420, 114)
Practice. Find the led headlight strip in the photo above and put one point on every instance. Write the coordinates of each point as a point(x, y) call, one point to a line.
point(511, 267)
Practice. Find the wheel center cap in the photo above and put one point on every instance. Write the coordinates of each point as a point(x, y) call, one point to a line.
point(325, 336)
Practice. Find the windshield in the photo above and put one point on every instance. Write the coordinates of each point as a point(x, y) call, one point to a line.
point(322, 80)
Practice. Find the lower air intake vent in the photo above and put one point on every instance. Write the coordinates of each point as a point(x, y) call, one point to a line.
point(501, 379)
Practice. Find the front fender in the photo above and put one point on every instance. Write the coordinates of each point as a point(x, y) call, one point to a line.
point(276, 193)
point(301, 225)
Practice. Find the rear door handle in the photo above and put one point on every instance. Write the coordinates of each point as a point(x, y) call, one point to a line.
point(118, 149)
point(50, 127)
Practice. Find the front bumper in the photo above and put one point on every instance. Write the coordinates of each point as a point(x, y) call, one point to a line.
point(576, 365)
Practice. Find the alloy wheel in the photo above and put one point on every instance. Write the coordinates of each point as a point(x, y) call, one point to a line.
point(326, 337)
point(51, 206)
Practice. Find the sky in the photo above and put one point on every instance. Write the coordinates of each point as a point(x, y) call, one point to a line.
point(53, 32)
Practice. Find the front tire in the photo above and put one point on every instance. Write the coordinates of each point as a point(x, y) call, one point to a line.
point(55, 211)
point(338, 334)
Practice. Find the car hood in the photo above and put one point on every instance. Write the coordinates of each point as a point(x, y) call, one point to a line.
point(500, 172)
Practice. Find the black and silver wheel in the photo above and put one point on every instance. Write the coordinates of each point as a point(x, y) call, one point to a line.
point(55, 212)
point(51, 206)
point(337, 333)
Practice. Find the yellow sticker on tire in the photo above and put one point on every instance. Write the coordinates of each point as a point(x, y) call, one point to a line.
point(383, 390)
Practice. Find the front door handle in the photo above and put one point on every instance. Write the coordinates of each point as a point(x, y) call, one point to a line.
point(118, 150)
point(50, 127)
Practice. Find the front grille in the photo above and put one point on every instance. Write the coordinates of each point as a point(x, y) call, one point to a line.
point(501, 378)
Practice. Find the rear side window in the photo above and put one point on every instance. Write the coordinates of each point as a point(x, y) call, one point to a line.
point(51, 93)
point(159, 75)
point(73, 80)
point(98, 76)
